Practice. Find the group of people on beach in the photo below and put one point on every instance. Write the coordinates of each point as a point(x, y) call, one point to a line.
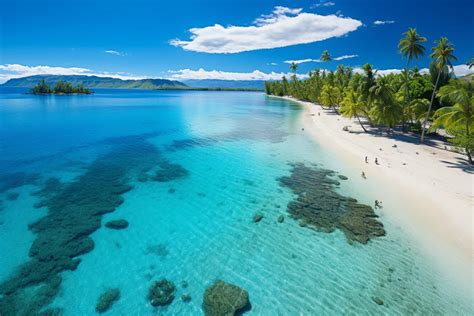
point(377, 203)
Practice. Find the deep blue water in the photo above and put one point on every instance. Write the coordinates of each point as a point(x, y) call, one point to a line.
point(188, 170)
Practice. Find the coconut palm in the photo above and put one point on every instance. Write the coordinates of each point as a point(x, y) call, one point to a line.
point(411, 47)
point(352, 107)
point(385, 110)
point(293, 68)
point(442, 55)
point(325, 56)
point(458, 118)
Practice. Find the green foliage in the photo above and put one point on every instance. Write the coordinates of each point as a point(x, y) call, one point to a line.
point(61, 87)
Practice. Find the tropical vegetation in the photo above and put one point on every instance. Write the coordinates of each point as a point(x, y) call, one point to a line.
point(61, 87)
point(411, 100)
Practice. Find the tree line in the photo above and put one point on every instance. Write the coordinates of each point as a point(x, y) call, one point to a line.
point(410, 100)
point(61, 87)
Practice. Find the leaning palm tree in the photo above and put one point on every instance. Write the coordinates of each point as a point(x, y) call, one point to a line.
point(442, 55)
point(458, 119)
point(411, 46)
point(352, 107)
point(293, 68)
point(325, 56)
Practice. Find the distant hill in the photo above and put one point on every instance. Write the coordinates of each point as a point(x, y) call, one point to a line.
point(226, 84)
point(96, 82)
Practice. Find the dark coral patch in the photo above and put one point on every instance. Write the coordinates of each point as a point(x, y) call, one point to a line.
point(117, 224)
point(222, 298)
point(169, 171)
point(74, 212)
point(106, 300)
point(17, 179)
point(161, 293)
point(318, 205)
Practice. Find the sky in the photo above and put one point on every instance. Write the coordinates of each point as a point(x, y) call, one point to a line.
point(227, 39)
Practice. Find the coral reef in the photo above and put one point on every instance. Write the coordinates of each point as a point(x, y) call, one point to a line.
point(318, 205)
point(224, 299)
point(107, 299)
point(162, 292)
point(117, 224)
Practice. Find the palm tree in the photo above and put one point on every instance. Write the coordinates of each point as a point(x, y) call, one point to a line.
point(325, 56)
point(442, 55)
point(293, 68)
point(411, 47)
point(385, 109)
point(351, 106)
point(459, 116)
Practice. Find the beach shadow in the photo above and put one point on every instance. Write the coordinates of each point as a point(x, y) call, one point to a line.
point(460, 163)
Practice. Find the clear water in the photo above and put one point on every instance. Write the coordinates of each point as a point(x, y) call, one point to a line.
point(235, 146)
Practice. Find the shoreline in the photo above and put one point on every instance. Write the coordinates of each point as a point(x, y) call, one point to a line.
point(439, 197)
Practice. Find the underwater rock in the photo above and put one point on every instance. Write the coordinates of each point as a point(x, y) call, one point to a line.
point(171, 190)
point(377, 300)
point(340, 176)
point(161, 292)
point(169, 172)
point(17, 179)
point(184, 284)
point(186, 298)
point(257, 217)
point(106, 300)
point(281, 219)
point(12, 196)
point(222, 298)
point(117, 224)
point(319, 205)
point(161, 250)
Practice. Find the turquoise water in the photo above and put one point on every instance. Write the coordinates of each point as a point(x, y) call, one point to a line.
point(188, 171)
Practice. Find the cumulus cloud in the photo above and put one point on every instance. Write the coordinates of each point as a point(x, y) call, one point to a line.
point(11, 71)
point(459, 71)
point(188, 74)
point(114, 52)
point(272, 64)
point(323, 4)
point(380, 22)
point(308, 60)
point(283, 27)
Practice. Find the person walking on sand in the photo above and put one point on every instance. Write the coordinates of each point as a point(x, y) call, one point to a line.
point(366, 159)
point(376, 204)
point(376, 161)
point(363, 175)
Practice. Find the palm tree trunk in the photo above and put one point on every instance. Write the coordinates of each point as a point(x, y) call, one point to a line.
point(361, 125)
point(468, 153)
point(405, 101)
point(429, 108)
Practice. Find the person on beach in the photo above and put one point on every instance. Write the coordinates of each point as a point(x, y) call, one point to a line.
point(366, 160)
point(363, 175)
point(376, 161)
point(376, 204)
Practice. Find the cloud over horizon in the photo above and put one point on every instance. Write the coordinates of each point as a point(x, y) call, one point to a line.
point(322, 3)
point(202, 74)
point(12, 71)
point(283, 27)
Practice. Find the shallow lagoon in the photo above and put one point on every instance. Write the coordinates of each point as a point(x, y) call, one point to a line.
point(200, 165)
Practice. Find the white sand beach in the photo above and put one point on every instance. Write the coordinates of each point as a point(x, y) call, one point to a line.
point(429, 178)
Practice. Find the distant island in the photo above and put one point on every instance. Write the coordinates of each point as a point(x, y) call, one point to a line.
point(95, 82)
point(61, 87)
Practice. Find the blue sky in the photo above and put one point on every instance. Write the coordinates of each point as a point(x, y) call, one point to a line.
point(252, 40)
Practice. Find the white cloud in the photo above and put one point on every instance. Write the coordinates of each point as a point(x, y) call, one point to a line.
point(114, 52)
point(11, 71)
point(284, 27)
point(459, 70)
point(345, 57)
point(323, 4)
point(272, 64)
point(187, 74)
point(308, 60)
point(379, 22)
point(302, 61)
